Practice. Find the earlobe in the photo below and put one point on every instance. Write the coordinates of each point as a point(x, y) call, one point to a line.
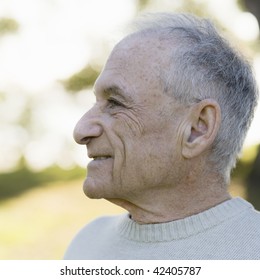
point(201, 128)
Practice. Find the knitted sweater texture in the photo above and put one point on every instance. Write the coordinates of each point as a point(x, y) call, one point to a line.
point(230, 230)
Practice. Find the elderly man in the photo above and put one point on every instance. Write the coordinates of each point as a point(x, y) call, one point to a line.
point(173, 105)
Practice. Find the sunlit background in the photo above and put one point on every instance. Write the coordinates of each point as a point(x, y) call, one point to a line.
point(51, 52)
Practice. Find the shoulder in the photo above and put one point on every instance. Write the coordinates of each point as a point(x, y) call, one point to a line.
point(247, 235)
point(245, 229)
point(103, 223)
point(247, 218)
point(252, 220)
point(92, 234)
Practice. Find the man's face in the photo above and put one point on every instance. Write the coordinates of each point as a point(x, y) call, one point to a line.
point(132, 130)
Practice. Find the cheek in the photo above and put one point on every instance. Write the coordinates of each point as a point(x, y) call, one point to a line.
point(128, 123)
point(139, 165)
point(155, 159)
point(141, 155)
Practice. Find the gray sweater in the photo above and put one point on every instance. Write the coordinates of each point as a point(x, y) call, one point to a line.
point(230, 230)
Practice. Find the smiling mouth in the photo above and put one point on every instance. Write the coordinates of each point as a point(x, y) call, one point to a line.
point(101, 158)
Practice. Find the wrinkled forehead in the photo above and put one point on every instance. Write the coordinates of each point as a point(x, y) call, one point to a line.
point(138, 61)
point(144, 49)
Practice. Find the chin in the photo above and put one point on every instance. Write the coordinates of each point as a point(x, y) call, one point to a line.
point(92, 189)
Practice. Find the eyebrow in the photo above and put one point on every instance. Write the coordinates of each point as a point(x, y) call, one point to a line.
point(113, 90)
point(117, 91)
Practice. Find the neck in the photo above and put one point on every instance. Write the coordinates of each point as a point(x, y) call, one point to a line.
point(165, 205)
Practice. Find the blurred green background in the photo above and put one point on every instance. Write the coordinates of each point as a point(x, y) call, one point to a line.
point(51, 52)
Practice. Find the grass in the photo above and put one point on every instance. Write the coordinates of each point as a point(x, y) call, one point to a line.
point(40, 223)
point(23, 179)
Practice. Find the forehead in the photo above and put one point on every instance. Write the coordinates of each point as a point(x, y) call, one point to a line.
point(134, 65)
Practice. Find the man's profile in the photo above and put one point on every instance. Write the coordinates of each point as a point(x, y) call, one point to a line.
point(173, 105)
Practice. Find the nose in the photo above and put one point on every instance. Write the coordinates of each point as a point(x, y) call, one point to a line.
point(87, 128)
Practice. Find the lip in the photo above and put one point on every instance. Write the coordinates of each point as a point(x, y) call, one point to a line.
point(97, 158)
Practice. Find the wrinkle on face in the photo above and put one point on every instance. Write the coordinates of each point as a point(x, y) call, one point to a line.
point(130, 119)
point(140, 130)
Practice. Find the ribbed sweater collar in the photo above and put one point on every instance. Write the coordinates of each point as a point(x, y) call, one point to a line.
point(183, 228)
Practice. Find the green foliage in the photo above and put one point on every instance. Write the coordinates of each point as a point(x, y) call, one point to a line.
point(17, 182)
point(245, 163)
point(142, 4)
point(81, 80)
point(8, 25)
point(242, 170)
point(2, 96)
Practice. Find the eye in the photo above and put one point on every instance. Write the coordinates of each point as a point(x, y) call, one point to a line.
point(112, 103)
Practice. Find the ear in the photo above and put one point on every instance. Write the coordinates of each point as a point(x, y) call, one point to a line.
point(201, 128)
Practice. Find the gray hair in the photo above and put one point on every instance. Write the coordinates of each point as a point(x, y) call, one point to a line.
point(203, 65)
